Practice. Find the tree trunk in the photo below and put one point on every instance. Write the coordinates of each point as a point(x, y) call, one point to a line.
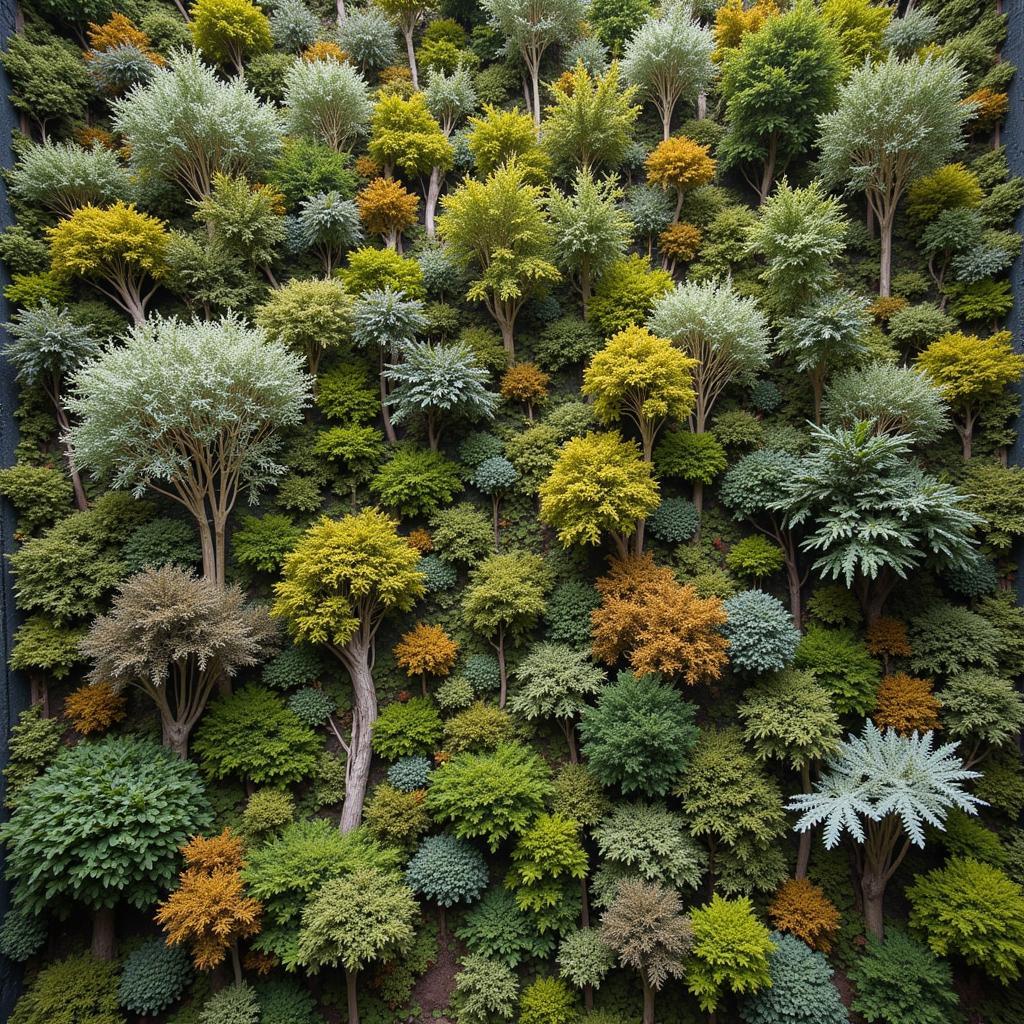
point(39, 692)
point(885, 266)
point(648, 999)
point(209, 551)
point(385, 412)
point(220, 555)
point(353, 1002)
point(698, 500)
point(433, 193)
point(794, 583)
point(768, 175)
point(508, 339)
point(341, 12)
point(502, 669)
point(584, 903)
point(409, 49)
point(236, 963)
point(364, 714)
point(872, 888)
point(535, 84)
point(103, 935)
point(803, 854)
point(569, 727)
point(175, 736)
point(702, 106)
point(666, 120)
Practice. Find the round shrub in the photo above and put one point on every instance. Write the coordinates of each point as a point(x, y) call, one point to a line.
point(293, 667)
point(454, 694)
point(409, 773)
point(481, 726)
point(80, 989)
point(478, 447)
point(154, 977)
point(483, 672)
point(698, 458)
point(311, 706)
point(161, 542)
point(764, 395)
point(412, 727)
point(754, 557)
point(447, 870)
point(760, 631)
point(801, 990)
point(437, 575)
point(266, 813)
point(568, 612)
point(547, 1001)
point(675, 520)
point(283, 1001)
point(236, 1004)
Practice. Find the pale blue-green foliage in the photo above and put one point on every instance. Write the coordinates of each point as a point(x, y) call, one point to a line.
point(440, 378)
point(62, 176)
point(120, 68)
point(985, 260)
point(387, 318)
point(367, 35)
point(494, 475)
point(154, 977)
point(906, 35)
point(186, 124)
point(801, 991)
point(828, 332)
point(674, 520)
point(584, 958)
point(713, 317)
point(236, 1004)
point(327, 221)
point(293, 25)
point(764, 395)
point(649, 208)
point(450, 97)
point(760, 631)
point(869, 507)
point(554, 681)
point(588, 51)
point(533, 25)
point(311, 706)
point(441, 274)
point(46, 344)
point(752, 484)
point(409, 773)
point(877, 774)
point(447, 870)
point(910, 108)
point(327, 101)
point(202, 380)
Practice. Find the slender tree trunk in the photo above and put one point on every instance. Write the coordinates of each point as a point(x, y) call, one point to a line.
point(39, 692)
point(385, 412)
point(104, 939)
point(885, 265)
point(64, 425)
point(795, 586)
point(208, 549)
point(410, 50)
point(353, 1002)
point(433, 193)
point(364, 713)
point(648, 999)
point(768, 175)
point(569, 727)
point(666, 120)
point(702, 106)
point(698, 499)
point(535, 85)
point(341, 12)
point(236, 963)
point(508, 339)
point(502, 668)
point(803, 853)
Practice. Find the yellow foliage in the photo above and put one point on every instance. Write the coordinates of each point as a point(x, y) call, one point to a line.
point(426, 650)
point(989, 106)
point(887, 636)
point(95, 708)
point(526, 383)
point(680, 164)
point(323, 49)
point(680, 241)
point(386, 208)
point(120, 31)
point(733, 20)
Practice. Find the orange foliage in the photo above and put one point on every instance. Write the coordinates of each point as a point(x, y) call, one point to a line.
point(387, 208)
point(888, 638)
point(989, 106)
point(526, 383)
point(119, 31)
point(209, 910)
point(906, 704)
point(883, 308)
point(322, 49)
point(801, 908)
point(421, 540)
point(89, 136)
point(95, 708)
point(426, 650)
point(680, 163)
point(259, 963)
point(367, 167)
point(656, 623)
point(680, 241)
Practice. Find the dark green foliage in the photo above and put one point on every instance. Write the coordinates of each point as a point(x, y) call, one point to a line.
point(568, 612)
point(161, 542)
point(78, 990)
point(437, 575)
point(103, 823)
point(22, 934)
point(310, 706)
point(900, 979)
point(283, 1001)
point(698, 458)
point(496, 928)
point(842, 664)
point(154, 977)
point(639, 735)
point(946, 639)
point(675, 520)
point(33, 744)
point(295, 666)
point(447, 871)
point(801, 990)
point(49, 80)
point(254, 735)
point(403, 729)
point(416, 482)
point(261, 542)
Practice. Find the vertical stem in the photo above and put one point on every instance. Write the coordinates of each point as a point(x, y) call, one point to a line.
point(236, 963)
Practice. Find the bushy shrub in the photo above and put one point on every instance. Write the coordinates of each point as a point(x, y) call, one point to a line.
point(675, 520)
point(801, 988)
point(447, 871)
point(154, 977)
point(411, 772)
point(547, 1001)
point(404, 729)
point(481, 726)
point(79, 988)
point(760, 631)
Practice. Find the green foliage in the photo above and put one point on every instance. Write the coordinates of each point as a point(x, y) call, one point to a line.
point(22, 934)
point(491, 795)
point(461, 533)
point(415, 482)
point(946, 640)
point(103, 823)
point(78, 990)
point(404, 729)
point(154, 977)
point(974, 910)
point(481, 726)
point(40, 643)
point(842, 665)
point(901, 979)
point(253, 734)
point(236, 1004)
point(760, 631)
point(485, 991)
point(625, 293)
point(639, 735)
point(547, 1001)
point(447, 871)
point(497, 929)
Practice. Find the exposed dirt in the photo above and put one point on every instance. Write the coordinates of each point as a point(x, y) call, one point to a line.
point(433, 991)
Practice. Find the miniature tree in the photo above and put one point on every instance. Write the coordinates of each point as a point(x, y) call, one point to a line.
point(191, 411)
point(642, 377)
point(599, 484)
point(657, 623)
point(447, 871)
point(387, 209)
point(895, 121)
point(906, 704)
point(228, 30)
point(63, 176)
point(328, 226)
point(552, 681)
point(426, 650)
point(498, 227)
point(971, 373)
point(679, 165)
point(209, 911)
point(526, 383)
point(648, 931)
point(176, 637)
point(801, 908)
point(882, 789)
point(353, 921)
point(75, 840)
point(326, 101)
point(668, 59)
point(118, 250)
point(639, 735)
point(338, 584)
point(407, 14)
point(504, 600)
